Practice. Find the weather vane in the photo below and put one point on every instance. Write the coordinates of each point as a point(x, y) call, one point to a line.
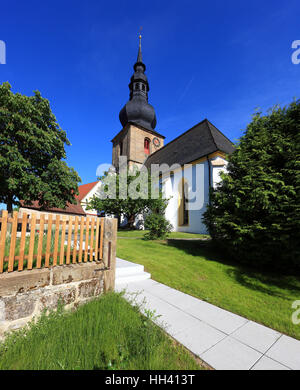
point(141, 28)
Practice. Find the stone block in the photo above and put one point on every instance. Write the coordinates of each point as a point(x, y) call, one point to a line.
point(18, 306)
point(90, 288)
point(76, 272)
point(51, 298)
point(21, 282)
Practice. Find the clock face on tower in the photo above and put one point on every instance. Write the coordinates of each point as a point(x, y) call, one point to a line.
point(156, 142)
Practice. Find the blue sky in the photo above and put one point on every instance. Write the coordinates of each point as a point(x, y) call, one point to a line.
point(205, 59)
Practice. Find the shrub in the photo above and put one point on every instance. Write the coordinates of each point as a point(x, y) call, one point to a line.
point(255, 211)
point(158, 226)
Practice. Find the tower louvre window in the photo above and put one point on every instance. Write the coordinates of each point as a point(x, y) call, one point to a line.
point(143, 87)
point(147, 146)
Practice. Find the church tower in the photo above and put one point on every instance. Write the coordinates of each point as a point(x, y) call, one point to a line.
point(137, 139)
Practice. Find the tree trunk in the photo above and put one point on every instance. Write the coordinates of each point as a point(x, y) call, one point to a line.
point(131, 222)
point(9, 206)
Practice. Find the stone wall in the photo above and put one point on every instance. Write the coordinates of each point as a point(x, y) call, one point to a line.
point(136, 139)
point(133, 138)
point(24, 295)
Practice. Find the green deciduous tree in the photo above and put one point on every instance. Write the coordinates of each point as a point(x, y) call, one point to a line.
point(32, 152)
point(128, 194)
point(255, 211)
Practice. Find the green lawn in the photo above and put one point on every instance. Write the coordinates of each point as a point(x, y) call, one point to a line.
point(106, 333)
point(196, 268)
point(141, 233)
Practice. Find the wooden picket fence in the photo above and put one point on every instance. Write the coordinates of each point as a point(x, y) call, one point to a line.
point(30, 241)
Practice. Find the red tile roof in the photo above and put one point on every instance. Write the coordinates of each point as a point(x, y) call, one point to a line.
point(85, 189)
point(70, 208)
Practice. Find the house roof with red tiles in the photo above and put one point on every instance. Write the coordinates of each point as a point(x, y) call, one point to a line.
point(70, 208)
point(84, 189)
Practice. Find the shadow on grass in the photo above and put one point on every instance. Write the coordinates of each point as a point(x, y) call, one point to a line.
point(258, 279)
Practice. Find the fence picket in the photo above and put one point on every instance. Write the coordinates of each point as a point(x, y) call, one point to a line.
point(3, 238)
point(92, 239)
point(40, 244)
point(101, 238)
point(81, 239)
point(62, 244)
point(69, 240)
point(13, 242)
point(97, 239)
point(56, 237)
point(48, 245)
point(22, 242)
point(86, 243)
point(31, 240)
point(75, 240)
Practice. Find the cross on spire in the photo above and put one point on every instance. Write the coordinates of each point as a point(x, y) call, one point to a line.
point(139, 57)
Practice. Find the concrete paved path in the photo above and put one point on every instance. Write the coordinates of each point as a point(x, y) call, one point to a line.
point(222, 339)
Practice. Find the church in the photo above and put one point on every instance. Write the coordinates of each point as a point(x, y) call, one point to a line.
point(194, 160)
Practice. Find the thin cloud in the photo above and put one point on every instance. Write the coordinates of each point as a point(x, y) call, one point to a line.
point(187, 87)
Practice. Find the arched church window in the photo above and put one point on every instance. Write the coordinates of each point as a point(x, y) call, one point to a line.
point(143, 87)
point(160, 184)
point(147, 146)
point(183, 212)
point(136, 86)
point(185, 206)
point(121, 148)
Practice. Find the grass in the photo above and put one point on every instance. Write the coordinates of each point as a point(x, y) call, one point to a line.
point(106, 333)
point(141, 233)
point(198, 269)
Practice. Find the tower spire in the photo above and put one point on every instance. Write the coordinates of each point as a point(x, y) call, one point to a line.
point(139, 57)
point(139, 62)
point(137, 109)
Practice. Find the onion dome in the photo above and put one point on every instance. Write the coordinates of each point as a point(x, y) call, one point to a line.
point(137, 110)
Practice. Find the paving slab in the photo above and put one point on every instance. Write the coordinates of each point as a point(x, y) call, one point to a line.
point(177, 321)
point(286, 350)
point(220, 319)
point(199, 338)
point(175, 297)
point(266, 363)
point(256, 336)
point(230, 354)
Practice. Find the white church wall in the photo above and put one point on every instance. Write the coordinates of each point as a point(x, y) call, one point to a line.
point(139, 221)
point(216, 175)
point(171, 188)
point(218, 165)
